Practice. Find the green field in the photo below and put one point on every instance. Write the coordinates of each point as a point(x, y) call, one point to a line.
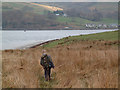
point(20, 6)
point(81, 21)
point(74, 20)
point(108, 21)
point(110, 36)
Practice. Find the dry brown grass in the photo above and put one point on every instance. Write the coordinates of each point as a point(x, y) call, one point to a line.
point(85, 64)
point(51, 8)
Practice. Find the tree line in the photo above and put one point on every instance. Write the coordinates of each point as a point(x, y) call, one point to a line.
point(17, 19)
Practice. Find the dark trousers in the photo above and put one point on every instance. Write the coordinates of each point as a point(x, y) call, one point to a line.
point(47, 73)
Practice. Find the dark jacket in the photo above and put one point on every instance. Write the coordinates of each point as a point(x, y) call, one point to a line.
point(49, 59)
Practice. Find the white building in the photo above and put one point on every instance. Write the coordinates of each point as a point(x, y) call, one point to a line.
point(57, 14)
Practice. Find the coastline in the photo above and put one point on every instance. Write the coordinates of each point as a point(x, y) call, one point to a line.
point(34, 45)
point(46, 42)
point(40, 44)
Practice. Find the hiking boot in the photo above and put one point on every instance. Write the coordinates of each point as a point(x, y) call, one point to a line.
point(49, 78)
point(46, 79)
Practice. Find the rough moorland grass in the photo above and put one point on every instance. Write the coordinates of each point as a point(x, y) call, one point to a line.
point(111, 36)
point(46, 84)
point(82, 64)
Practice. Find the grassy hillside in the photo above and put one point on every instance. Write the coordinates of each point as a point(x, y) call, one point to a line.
point(105, 8)
point(82, 64)
point(50, 8)
point(7, 6)
point(81, 21)
point(74, 20)
point(99, 5)
point(110, 36)
point(102, 6)
point(31, 15)
point(108, 21)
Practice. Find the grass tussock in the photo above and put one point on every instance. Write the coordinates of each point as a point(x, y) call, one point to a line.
point(84, 64)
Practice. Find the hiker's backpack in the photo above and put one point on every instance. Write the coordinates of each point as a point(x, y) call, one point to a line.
point(45, 61)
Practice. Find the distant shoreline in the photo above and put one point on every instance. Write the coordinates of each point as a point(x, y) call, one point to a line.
point(11, 29)
point(36, 45)
point(43, 43)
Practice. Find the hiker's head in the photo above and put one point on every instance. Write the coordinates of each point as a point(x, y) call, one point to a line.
point(44, 52)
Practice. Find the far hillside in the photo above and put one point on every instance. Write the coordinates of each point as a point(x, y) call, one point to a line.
point(59, 15)
point(106, 9)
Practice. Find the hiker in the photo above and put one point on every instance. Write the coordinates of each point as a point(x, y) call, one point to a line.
point(47, 64)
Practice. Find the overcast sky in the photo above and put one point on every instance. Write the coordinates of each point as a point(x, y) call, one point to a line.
point(59, 0)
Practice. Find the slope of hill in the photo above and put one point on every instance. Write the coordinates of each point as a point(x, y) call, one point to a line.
point(51, 8)
point(40, 17)
point(102, 6)
point(81, 64)
point(106, 9)
point(8, 6)
point(110, 36)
